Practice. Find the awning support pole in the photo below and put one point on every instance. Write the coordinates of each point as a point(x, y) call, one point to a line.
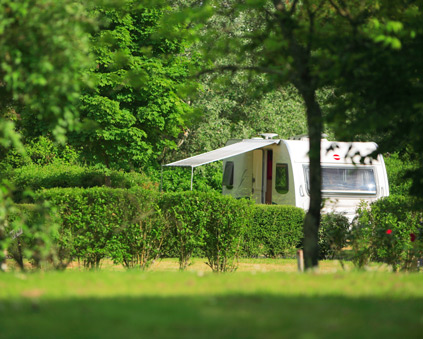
point(161, 179)
point(192, 176)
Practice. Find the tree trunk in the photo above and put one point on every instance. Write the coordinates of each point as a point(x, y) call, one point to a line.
point(312, 219)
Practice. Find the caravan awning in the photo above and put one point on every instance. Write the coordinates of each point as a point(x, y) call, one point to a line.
point(224, 152)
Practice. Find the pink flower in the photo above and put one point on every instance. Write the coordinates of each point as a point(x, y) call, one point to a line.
point(388, 231)
point(412, 237)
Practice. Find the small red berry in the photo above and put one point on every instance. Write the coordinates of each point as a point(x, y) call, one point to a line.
point(412, 237)
point(389, 231)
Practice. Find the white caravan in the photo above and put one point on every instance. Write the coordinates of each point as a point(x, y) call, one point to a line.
point(276, 171)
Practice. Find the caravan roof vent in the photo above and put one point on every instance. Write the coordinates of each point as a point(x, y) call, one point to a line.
point(269, 135)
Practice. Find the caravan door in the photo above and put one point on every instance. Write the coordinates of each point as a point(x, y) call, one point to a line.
point(262, 176)
point(257, 178)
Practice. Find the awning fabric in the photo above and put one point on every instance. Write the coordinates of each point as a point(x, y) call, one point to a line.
point(224, 152)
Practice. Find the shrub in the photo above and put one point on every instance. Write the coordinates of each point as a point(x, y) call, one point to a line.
point(36, 177)
point(207, 221)
point(40, 151)
point(388, 231)
point(361, 237)
point(228, 220)
point(34, 234)
point(397, 168)
point(333, 235)
point(176, 179)
point(118, 223)
point(188, 213)
point(274, 231)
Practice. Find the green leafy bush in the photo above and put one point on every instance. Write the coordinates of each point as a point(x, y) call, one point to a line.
point(33, 233)
point(388, 231)
point(333, 235)
point(104, 222)
point(176, 179)
point(397, 167)
point(274, 231)
point(188, 213)
point(36, 177)
point(228, 220)
point(209, 222)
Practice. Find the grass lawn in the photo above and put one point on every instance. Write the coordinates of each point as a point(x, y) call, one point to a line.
point(259, 301)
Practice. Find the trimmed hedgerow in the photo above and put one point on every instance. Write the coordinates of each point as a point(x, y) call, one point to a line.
point(206, 223)
point(135, 226)
point(274, 231)
point(187, 213)
point(229, 219)
point(125, 225)
point(36, 177)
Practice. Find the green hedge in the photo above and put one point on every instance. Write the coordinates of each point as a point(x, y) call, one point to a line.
point(135, 226)
point(274, 231)
point(123, 224)
point(207, 222)
point(36, 177)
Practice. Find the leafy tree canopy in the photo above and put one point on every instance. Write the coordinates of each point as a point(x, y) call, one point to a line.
point(136, 105)
point(44, 45)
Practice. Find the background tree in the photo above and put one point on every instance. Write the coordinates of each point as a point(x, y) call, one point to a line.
point(379, 88)
point(135, 106)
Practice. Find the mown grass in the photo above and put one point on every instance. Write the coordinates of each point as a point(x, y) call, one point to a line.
point(198, 304)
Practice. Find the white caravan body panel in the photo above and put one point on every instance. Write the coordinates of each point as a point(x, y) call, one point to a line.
point(278, 174)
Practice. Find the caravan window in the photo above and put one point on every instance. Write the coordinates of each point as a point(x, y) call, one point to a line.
point(346, 180)
point(281, 182)
point(228, 175)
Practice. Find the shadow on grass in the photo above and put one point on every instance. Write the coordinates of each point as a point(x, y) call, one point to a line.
point(263, 316)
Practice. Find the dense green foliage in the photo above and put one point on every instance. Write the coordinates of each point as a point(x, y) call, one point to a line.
point(378, 92)
point(188, 212)
point(228, 220)
point(209, 222)
point(390, 231)
point(44, 48)
point(41, 151)
point(122, 224)
point(274, 231)
point(333, 235)
point(135, 226)
point(135, 106)
point(398, 169)
point(35, 177)
point(34, 235)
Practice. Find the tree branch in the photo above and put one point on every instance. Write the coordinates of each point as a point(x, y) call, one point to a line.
point(343, 13)
point(293, 7)
point(311, 15)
